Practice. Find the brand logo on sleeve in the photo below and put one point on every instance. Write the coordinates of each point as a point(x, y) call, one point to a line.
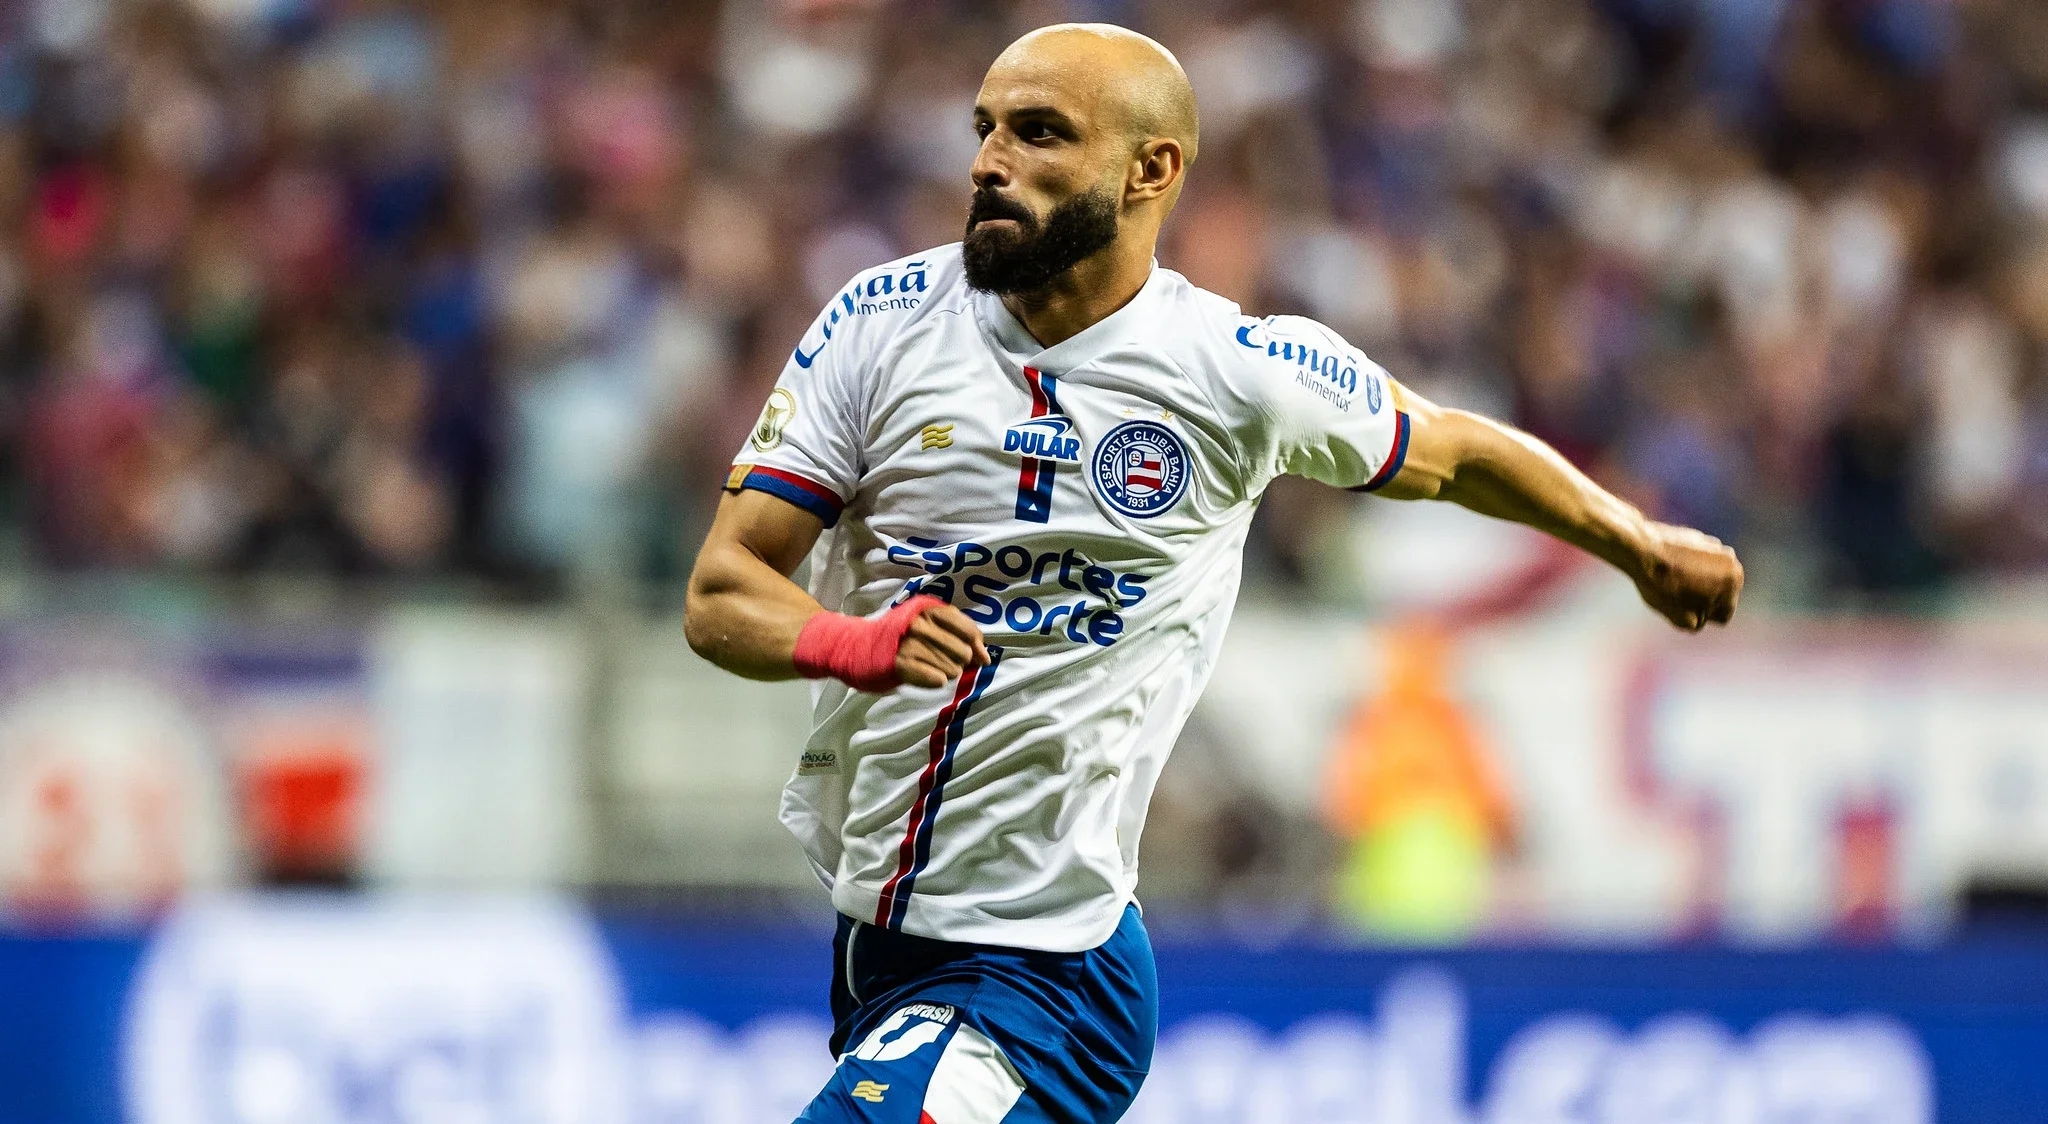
point(1330, 374)
point(775, 417)
point(937, 436)
point(906, 1032)
point(1049, 438)
point(1141, 468)
point(886, 289)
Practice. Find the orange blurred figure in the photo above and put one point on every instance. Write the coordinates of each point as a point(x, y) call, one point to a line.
point(1412, 785)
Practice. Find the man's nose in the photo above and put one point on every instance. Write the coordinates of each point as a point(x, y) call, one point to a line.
point(988, 170)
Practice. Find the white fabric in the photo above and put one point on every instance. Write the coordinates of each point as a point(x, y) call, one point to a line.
point(973, 1083)
point(1035, 839)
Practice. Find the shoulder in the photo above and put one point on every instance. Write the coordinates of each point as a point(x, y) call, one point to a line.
point(906, 284)
point(879, 302)
point(897, 292)
point(1261, 361)
point(1289, 346)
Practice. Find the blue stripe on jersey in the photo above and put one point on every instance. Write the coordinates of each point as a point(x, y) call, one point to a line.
point(1049, 387)
point(1395, 457)
point(983, 676)
point(1034, 483)
point(807, 494)
point(1034, 493)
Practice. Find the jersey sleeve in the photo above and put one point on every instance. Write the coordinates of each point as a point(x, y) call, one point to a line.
point(807, 448)
point(1323, 409)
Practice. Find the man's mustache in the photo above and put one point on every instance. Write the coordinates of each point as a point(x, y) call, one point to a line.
point(987, 205)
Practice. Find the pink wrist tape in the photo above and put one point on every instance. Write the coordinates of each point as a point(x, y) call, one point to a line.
point(855, 650)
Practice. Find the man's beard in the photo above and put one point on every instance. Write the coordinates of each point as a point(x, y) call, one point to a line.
point(1001, 263)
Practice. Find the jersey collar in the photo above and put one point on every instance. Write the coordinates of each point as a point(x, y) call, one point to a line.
point(1014, 342)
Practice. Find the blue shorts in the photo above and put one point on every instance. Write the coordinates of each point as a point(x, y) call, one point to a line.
point(931, 1032)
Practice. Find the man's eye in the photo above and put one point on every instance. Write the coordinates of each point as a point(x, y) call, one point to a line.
point(1033, 131)
point(982, 129)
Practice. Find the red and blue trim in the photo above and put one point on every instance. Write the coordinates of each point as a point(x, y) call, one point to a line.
point(916, 850)
point(1395, 458)
point(1034, 482)
point(810, 495)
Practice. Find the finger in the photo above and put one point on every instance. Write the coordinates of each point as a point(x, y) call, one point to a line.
point(1723, 609)
point(957, 623)
point(935, 636)
point(945, 663)
point(918, 673)
point(932, 670)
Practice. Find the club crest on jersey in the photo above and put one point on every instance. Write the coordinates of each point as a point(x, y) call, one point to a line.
point(1050, 438)
point(1141, 468)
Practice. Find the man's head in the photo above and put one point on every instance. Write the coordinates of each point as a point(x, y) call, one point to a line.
point(1085, 132)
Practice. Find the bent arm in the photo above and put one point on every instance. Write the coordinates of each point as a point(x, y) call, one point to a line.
point(1494, 469)
point(743, 612)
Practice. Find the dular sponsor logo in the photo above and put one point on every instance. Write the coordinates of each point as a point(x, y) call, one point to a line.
point(315, 1011)
point(1047, 438)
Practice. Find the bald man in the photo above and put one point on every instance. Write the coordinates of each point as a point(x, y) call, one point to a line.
point(1022, 468)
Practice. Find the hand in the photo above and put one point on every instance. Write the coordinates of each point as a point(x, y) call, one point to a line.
point(942, 642)
point(1691, 578)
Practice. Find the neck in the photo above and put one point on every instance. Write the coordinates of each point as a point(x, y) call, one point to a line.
point(1085, 295)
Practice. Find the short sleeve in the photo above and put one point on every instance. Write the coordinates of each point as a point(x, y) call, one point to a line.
point(1329, 412)
point(806, 447)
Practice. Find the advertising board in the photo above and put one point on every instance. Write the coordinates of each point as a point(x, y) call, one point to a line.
point(361, 1011)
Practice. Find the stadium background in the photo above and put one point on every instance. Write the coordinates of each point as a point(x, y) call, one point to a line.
point(368, 369)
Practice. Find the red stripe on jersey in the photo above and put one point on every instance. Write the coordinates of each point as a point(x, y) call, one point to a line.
point(1040, 405)
point(906, 855)
point(1027, 477)
point(1396, 456)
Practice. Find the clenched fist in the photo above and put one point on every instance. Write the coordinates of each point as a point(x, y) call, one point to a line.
point(942, 642)
point(1692, 578)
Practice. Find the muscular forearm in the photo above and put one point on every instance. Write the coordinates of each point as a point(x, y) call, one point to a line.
point(1514, 476)
point(743, 615)
point(1692, 579)
point(1495, 470)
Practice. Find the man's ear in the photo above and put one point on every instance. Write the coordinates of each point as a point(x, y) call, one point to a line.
point(1155, 168)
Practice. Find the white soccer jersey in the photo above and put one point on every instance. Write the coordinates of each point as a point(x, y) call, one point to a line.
point(1086, 504)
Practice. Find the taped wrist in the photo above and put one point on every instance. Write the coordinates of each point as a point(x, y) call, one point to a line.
point(858, 651)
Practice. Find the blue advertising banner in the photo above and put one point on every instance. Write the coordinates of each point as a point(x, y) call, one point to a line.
point(366, 1011)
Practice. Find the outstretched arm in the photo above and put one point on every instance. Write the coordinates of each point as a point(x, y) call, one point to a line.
point(1690, 578)
point(746, 615)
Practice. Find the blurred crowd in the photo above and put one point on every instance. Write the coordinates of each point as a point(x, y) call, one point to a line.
point(496, 287)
